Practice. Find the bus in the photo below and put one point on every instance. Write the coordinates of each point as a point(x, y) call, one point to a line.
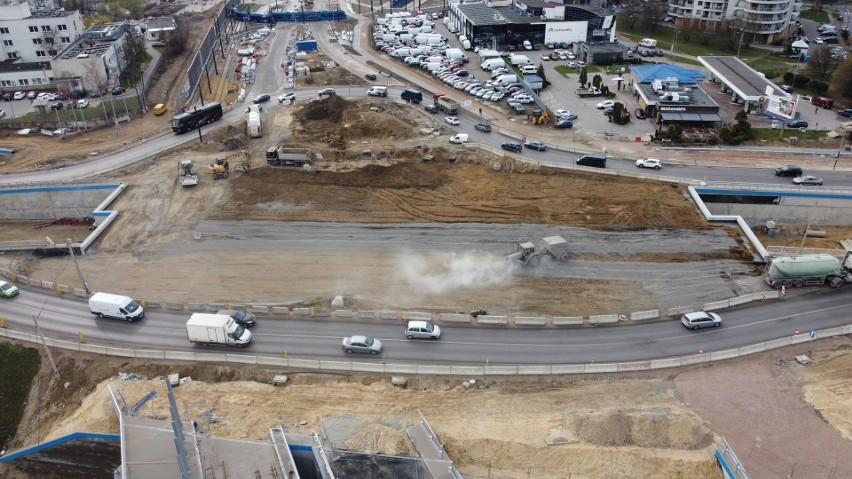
point(199, 117)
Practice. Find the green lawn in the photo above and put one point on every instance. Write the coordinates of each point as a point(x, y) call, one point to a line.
point(18, 367)
point(815, 15)
point(770, 134)
point(92, 112)
point(246, 7)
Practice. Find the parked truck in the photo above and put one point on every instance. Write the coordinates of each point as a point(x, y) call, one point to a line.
point(447, 105)
point(187, 174)
point(587, 92)
point(254, 128)
point(280, 156)
point(221, 329)
point(529, 254)
point(808, 269)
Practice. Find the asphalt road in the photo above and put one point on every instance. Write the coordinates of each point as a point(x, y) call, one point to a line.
point(62, 318)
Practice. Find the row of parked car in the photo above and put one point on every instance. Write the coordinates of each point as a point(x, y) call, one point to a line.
point(54, 96)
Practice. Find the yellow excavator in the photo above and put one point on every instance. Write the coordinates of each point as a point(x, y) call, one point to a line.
point(220, 168)
point(542, 118)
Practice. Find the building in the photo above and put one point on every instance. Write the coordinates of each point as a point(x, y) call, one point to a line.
point(95, 59)
point(506, 25)
point(30, 37)
point(671, 94)
point(156, 29)
point(767, 20)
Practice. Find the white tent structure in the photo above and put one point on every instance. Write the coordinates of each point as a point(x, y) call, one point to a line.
point(800, 46)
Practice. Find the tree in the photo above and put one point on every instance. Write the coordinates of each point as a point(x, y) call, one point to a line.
point(133, 56)
point(596, 81)
point(584, 77)
point(119, 9)
point(540, 72)
point(178, 38)
point(620, 116)
point(822, 64)
point(630, 11)
point(841, 82)
point(651, 15)
point(49, 39)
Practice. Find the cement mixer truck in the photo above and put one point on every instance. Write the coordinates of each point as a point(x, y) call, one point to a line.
point(808, 269)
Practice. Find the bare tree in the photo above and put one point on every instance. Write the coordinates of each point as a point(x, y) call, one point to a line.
point(630, 11)
point(179, 37)
point(822, 64)
point(94, 80)
point(651, 15)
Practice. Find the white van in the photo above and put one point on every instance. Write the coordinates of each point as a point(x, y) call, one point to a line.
point(527, 45)
point(105, 305)
point(493, 64)
point(460, 138)
point(648, 43)
point(529, 70)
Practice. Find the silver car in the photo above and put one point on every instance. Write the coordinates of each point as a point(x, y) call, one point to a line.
point(701, 319)
point(361, 344)
point(422, 330)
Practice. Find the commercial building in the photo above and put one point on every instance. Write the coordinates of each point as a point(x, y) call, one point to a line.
point(767, 20)
point(95, 59)
point(671, 94)
point(30, 37)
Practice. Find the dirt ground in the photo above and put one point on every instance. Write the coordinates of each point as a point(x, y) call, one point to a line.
point(650, 424)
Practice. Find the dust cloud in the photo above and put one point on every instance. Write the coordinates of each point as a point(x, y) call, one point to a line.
point(439, 273)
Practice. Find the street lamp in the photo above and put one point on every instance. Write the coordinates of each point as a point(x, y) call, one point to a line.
point(675, 40)
point(740, 44)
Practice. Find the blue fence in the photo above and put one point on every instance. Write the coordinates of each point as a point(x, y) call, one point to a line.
point(276, 17)
point(399, 3)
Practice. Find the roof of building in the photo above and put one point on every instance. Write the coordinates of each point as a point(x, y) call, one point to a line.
point(482, 14)
point(649, 73)
point(514, 16)
point(45, 13)
point(160, 24)
point(745, 81)
point(96, 41)
point(534, 3)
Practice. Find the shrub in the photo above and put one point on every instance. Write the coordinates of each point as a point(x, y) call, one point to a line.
point(819, 87)
point(789, 76)
point(801, 80)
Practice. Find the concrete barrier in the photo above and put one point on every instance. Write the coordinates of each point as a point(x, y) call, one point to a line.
point(47, 285)
point(530, 321)
point(738, 300)
point(416, 316)
point(236, 307)
point(388, 315)
point(92, 348)
point(70, 345)
point(665, 363)
point(259, 309)
point(367, 314)
point(152, 305)
point(784, 342)
point(471, 371)
point(499, 370)
point(149, 354)
point(196, 307)
point(34, 282)
point(567, 320)
point(498, 320)
point(304, 364)
point(364, 367)
point(190, 356)
point(534, 369)
point(322, 313)
point(680, 310)
point(25, 279)
point(433, 369)
point(766, 295)
point(80, 293)
point(343, 313)
point(601, 368)
point(122, 352)
point(726, 354)
point(302, 311)
point(696, 359)
point(5, 273)
point(455, 318)
point(280, 310)
point(241, 358)
point(174, 306)
point(268, 361)
point(63, 288)
point(751, 349)
point(640, 315)
point(716, 305)
point(217, 306)
point(401, 369)
point(603, 319)
point(637, 366)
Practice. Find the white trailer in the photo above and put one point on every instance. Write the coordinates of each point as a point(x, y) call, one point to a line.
point(254, 126)
point(219, 329)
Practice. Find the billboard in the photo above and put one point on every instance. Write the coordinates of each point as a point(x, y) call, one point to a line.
point(782, 106)
point(565, 32)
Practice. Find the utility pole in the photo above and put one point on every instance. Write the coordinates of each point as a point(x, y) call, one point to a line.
point(46, 349)
point(79, 273)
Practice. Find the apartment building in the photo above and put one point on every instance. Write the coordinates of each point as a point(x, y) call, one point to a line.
point(768, 20)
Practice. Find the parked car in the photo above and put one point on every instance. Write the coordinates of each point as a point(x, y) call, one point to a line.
point(535, 145)
point(78, 94)
point(326, 92)
point(8, 96)
point(512, 146)
point(789, 170)
point(118, 90)
point(847, 112)
point(452, 120)
point(639, 113)
point(701, 319)
point(8, 290)
point(261, 98)
point(649, 163)
point(807, 180)
point(242, 318)
point(19, 95)
point(422, 330)
point(61, 131)
point(82, 103)
point(288, 97)
point(564, 123)
point(57, 105)
point(797, 124)
point(370, 76)
point(32, 95)
point(431, 108)
point(606, 104)
point(361, 344)
point(485, 127)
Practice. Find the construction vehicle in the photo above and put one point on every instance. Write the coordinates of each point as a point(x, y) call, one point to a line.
point(587, 92)
point(541, 118)
point(280, 156)
point(220, 168)
point(530, 255)
point(447, 105)
point(808, 269)
point(186, 173)
point(254, 127)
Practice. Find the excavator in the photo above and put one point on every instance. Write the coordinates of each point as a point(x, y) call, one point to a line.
point(542, 118)
point(220, 168)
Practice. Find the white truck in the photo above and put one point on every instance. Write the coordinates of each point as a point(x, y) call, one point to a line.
point(254, 126)
point(206, 328)
point(105, 305)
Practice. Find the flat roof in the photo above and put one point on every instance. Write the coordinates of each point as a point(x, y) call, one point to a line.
point(45, 13)
point(482, 14)
point(745, 81)
point(513, 16)
point(96, 41)
point(697, 96)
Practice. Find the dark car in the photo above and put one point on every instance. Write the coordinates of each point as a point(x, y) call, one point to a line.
point(564, 124)
point(95, 93)
point(326, 92)
point(512, 146)
point(370, 76)
point(789, 170)
point(483, 127)
point(847, 113)
point(78, 94)
point(639, 114)
point(430, 108)
point(120, 89)
point(787, 88)
point(8, 96)
point(242, 318)
point(797, 124)
point(57, 105)
point(262, 98)
point(535, 145)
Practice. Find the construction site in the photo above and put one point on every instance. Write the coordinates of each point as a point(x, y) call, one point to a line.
point(366, 198)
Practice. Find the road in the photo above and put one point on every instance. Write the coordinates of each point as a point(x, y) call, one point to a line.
point(63, 318)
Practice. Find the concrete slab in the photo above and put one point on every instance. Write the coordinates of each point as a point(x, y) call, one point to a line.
point(343, 313)
point(322, 313)
point(495, 320)
point(738, 300)
point(196, 307)
point(367, 314)
point(568, 321)
point(601, 368)
point(641, 315)
point(416, 316)
point(716, 305)
point(280, 310)
point(259, 309)
point(665, 363)
point(121, 352)
point(455, 318)
point(302, 311)
point(393, 315)
point(530, 321)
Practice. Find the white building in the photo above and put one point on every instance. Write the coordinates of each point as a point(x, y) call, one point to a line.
point(768, 20)
point(30, 37)
point(95, 60)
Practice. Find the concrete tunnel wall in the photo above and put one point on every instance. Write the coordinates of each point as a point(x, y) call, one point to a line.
point(52, 202)
point(784, 214)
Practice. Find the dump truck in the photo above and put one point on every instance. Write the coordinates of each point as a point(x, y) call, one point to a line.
point(218, 329)
point(187, 175)
point(529, 254)
point(220, 168)
point(587, 92)
point(447, 105)
point(280, 156)
point(808, 269)
point(254, 127)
